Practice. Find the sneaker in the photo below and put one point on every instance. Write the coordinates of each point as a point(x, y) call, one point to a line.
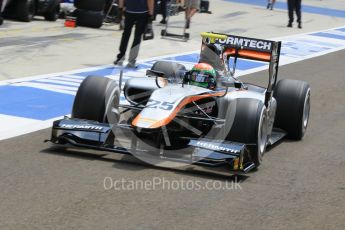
point(268, 5)
point(289, 25)
point(300, 25)
point(131, 65)
point(118, 62)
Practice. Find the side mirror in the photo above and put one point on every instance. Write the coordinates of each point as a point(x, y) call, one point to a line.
point(238, 85)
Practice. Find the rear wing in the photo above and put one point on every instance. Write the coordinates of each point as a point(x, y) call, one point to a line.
point(249, 48)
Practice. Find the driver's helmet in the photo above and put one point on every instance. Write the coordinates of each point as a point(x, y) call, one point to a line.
point(203, 75)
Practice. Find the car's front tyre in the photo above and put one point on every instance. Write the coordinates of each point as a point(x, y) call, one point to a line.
point(97, 99)
point(250, 126)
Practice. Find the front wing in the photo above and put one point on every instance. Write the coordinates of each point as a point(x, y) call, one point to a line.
point(217, 154)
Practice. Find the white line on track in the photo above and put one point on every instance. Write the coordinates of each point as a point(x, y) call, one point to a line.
point(64, 78)
point(21, 126)
point(59, 81)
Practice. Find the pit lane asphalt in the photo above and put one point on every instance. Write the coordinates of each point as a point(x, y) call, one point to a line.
point(300, 185)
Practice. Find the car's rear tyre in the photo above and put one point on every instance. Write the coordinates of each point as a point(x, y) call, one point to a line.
point(171, 69)
point(97, 99)
point(25, 10)
point(93, 5)
point(93, 19)
point(250, 127)
point(293, 107)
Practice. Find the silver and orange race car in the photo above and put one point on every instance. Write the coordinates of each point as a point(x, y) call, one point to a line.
point(204, 116)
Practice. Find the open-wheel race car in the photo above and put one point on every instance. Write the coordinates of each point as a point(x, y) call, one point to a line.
point(204, 116)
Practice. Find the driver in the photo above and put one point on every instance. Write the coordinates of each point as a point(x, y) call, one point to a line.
point(203, 75)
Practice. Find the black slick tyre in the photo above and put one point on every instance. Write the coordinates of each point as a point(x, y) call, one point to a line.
point(92, 5)
point(293, 107)
point(250, 127)
point(25, 10)
point(53, 14)
point(92, 19)
point(97, 99)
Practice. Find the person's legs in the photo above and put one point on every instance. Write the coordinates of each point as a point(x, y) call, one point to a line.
point(187, 5)
point(164, 10)
point(155, 11)
point(192, 8)
point(298, 12)
point(129, 22)
point(272, 4)
point(268, 4)
point(140, 24)
point(291, 9)
point(192, 12)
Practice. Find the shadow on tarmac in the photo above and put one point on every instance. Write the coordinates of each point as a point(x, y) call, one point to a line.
point(130, 163)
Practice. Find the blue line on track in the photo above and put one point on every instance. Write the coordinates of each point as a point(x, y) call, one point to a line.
point(54, 83)
point(329, 35)
point(305, 8)
point(34, 103)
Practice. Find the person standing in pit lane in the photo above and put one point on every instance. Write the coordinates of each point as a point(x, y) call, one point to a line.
point(270, 4)
point(163, 10)
point(138, 13)
point(294, 5)
point(192, 6)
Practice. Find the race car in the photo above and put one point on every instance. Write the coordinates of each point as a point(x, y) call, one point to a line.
point(204, 116)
